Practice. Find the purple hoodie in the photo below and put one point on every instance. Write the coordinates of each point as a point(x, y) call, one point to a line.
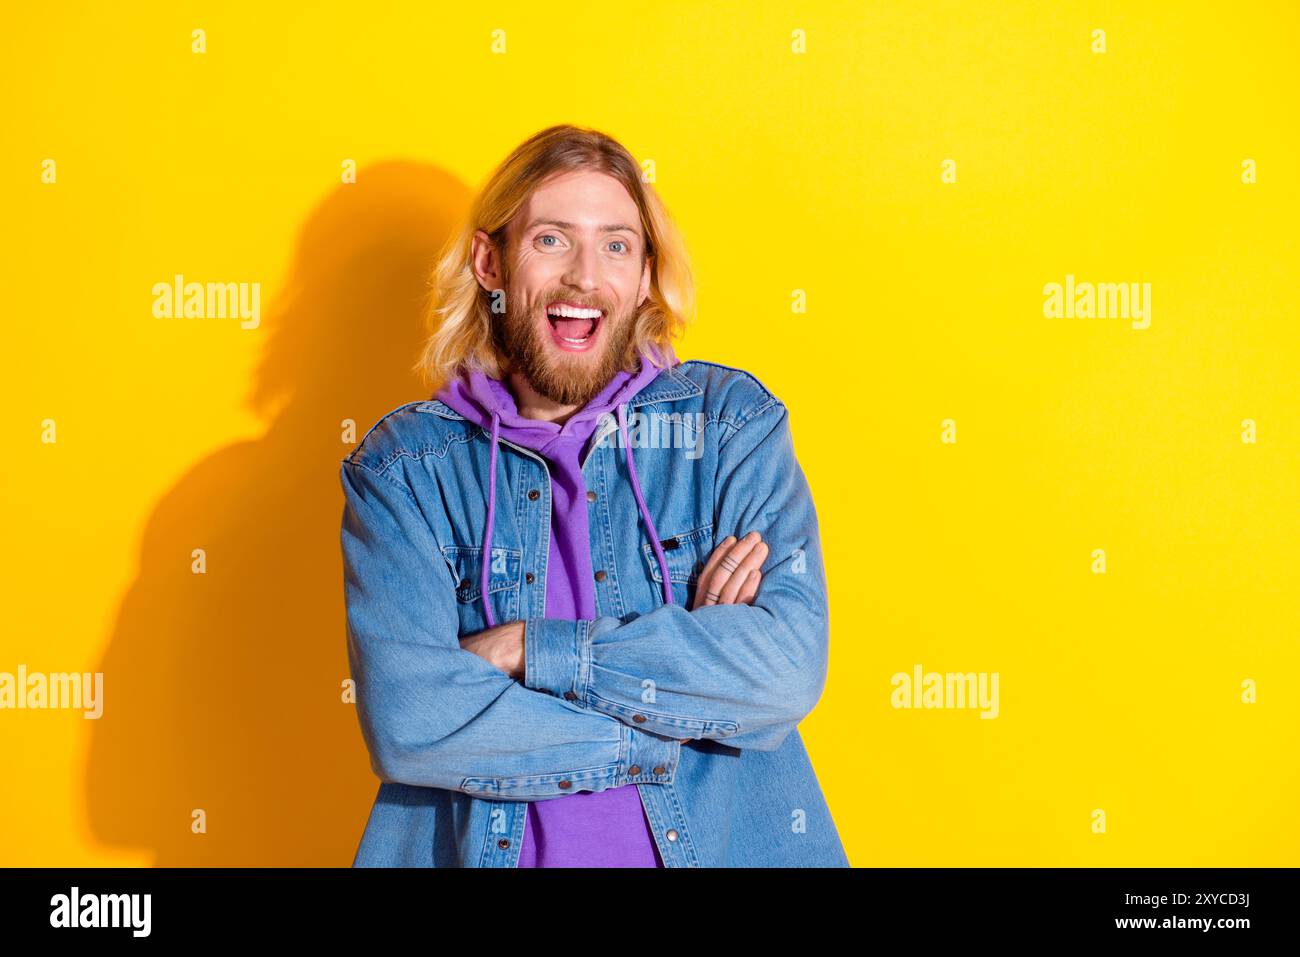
point(584, 829)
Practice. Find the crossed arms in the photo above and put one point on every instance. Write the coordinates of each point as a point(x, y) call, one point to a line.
point(435, 714)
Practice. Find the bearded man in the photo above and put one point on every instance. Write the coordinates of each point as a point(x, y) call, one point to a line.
point(576, 643)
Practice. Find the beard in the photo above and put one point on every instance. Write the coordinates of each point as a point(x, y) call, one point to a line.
point(522, 336)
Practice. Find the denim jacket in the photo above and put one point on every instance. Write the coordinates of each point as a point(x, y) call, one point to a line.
point(460, 747)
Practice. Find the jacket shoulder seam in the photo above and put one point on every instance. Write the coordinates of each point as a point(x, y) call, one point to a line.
point(736, 421)
point(438, 446)
point(771, 402)
point(356, 454)
point(736, 369)
point(385, 477)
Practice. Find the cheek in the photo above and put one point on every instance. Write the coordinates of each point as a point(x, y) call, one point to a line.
point(627, 285)
point(536, 271)
point(523, 280)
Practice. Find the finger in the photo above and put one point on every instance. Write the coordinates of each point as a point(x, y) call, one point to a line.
point(753, 559)
point(749, 590)
point(737, 553)
point(706, 592)
point(725, 573)
point(727, 566)
point(717, 556)
point(705, 595)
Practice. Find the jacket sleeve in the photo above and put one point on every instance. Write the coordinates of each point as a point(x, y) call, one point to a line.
point(435, 715)
point(743, 674)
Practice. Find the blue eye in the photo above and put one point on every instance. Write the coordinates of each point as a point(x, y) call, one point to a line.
point(618, 242)
point(546, 236)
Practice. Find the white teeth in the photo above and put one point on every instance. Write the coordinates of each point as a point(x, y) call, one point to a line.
point(572, 312)
point(576, 342)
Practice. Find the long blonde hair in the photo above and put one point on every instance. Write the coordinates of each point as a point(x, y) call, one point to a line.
point(458, 314)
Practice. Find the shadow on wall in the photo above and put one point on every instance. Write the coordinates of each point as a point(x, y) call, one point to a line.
point(226, 687)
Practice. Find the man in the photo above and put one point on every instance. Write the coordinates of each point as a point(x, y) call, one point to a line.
point(585, 599)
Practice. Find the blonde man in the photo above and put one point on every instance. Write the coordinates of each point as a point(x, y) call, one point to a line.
point(572, 645)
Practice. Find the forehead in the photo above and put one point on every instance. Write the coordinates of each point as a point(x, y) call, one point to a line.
point(588, 199)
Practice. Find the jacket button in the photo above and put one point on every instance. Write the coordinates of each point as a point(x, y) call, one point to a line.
point(570, 696)
point(671, 834)
point(600, 575)
point(634, 769)
point(591, 496)
point(503, 843)
point(533, 495)
point(638, 718)
point(464, 583)
point(566, 784)
point(660, 769)
point(528, 577)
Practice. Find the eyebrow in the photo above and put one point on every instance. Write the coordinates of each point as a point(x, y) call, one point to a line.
point(611, 228)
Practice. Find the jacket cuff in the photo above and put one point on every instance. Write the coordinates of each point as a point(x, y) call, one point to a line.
point(651, 758)
point(556, 651)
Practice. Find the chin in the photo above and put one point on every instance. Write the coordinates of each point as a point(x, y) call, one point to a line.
point(572, 376)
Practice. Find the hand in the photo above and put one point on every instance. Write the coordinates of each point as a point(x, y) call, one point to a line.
point(732, 574)
point(502, 647)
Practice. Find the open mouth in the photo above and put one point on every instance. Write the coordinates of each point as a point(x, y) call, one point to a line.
point(573, 326)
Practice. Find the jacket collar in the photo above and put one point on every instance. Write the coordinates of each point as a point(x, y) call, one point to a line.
point(668, 386)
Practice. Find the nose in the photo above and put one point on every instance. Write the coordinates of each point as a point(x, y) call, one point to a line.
point(582, 271)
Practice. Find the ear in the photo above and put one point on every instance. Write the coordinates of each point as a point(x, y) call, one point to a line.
point(486, 260)
point(647, 271)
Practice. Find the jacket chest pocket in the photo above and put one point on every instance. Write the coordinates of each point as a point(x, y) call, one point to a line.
point(503, 584)
point(686, 552)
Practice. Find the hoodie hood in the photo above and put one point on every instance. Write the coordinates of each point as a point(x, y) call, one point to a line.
point(488, 403)
point(480, 397)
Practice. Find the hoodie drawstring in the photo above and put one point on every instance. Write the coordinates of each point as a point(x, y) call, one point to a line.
point(485, 565)
point(645, 512)
point(491, 517)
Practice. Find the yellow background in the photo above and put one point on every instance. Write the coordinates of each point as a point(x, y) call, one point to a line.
point(818, 172)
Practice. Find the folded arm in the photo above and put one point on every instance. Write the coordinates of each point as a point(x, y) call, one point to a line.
point(745, 674)
point(435, 715)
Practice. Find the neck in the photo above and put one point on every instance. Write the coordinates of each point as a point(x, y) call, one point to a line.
point(533, 405)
